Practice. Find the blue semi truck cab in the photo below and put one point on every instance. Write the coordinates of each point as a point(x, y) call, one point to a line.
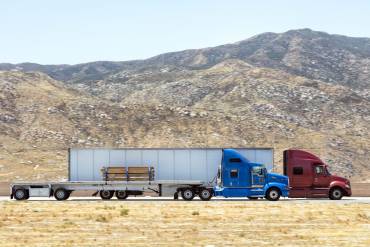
point(238, 177)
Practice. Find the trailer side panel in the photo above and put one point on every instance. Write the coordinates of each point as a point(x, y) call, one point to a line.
point(169, 164)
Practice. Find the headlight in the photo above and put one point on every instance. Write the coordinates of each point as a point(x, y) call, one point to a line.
point(348, 186)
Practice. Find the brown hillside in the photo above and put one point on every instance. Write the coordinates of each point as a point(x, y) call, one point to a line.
point(230, 104)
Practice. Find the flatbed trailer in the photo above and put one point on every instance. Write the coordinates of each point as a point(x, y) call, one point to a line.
point(62, 190)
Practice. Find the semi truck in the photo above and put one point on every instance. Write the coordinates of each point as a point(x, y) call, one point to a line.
point(240, 172)
point(309, 177)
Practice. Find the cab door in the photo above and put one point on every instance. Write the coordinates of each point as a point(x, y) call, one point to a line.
point(321, 180)
point(232, 177)
point(232, 172)
point(258, 176)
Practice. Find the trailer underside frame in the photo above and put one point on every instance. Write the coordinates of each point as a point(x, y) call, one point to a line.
point(24, 190)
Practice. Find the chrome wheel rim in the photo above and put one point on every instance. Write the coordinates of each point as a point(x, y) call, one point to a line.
point(274, 194)
point(19, 193)
point(188, 194)
point(205, 193)
point(60, 194)
point(121, 193)
point(336, 193)
point(105, 193)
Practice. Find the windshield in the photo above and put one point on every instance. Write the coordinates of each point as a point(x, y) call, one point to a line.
point(327, 170)
point(258, 170)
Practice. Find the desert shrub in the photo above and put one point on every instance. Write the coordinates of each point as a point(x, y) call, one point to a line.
point(101, 218)
point(124, 212)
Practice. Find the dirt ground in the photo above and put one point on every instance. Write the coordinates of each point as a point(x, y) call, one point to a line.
point(179, 223)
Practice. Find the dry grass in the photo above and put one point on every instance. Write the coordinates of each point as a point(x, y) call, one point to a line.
point(179, 223)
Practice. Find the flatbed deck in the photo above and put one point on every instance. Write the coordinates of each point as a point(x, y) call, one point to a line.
point(154, 182)
point(50, 188)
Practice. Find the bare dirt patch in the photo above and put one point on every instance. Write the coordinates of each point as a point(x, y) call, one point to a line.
point(148, 223)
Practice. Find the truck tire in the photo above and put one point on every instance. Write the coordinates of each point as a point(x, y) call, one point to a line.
point(121, 194)
point(21, 194)
point(273, 194)
point(106, 194)
point(335, 194)
point(61, 194)
point(187, 194)
point(205, 194)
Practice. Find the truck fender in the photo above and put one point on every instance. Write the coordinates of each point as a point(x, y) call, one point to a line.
point(337, 184)
point(282, 187)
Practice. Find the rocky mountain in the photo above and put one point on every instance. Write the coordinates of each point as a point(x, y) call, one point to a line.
point(301, 89)
point(315, 55)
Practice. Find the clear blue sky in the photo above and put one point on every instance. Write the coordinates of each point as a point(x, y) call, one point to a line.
point(76, 31)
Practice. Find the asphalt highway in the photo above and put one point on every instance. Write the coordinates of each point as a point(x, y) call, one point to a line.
point(197, 200)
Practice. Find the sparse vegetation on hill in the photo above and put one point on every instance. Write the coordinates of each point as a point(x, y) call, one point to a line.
point(300, 89)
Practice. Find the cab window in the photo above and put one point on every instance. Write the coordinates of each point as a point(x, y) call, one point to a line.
point(319, 170)
point(235, 160)
point(297, 170)
point(234, 173)
point(257, 170)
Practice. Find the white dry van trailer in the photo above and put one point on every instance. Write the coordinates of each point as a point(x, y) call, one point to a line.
point(175, 169)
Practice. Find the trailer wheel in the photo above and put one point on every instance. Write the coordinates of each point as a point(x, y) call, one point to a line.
point(21, 194)
point(61, 194)
point(273, 194)
point(335, 194)
point(187, 194)
point(106, 194)
point(205, 194)
point(121, 194)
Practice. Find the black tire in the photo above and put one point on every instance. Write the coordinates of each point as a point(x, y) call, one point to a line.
point(273, 194)
point(252, 198)
point(121, 194)
point(106, 194)
point(61, 194)
point(28, 195)
point(336, 194)
point(69, 194)
point(187, 194)
point(205, 194)
point(21, 194)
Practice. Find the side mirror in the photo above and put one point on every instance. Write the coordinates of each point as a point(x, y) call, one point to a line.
point(263, 171)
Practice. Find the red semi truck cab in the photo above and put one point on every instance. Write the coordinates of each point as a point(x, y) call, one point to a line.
point(309, 177)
